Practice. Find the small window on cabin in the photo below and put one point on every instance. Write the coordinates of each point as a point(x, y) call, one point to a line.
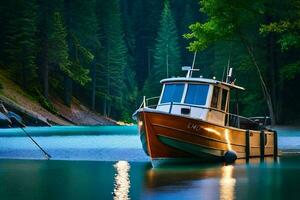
point(224, 99)
point(215, 97)
point(172, 93)
point(196, 94)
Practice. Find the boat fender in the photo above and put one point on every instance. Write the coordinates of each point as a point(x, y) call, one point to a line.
point(5, 122)
point(230, 156)
point(14, 118)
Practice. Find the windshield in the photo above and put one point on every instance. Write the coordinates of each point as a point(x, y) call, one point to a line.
point(172, 93)
point(196, 94)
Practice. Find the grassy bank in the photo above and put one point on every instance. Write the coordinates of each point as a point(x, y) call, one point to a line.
point(59, 114)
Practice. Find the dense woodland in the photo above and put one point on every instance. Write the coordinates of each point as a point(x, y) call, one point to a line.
point(108, 54)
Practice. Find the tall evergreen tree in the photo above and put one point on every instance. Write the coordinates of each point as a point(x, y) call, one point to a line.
point(77, 23)
point(44, 29)
point(3, 23)
point(167, 54)
point(58, 47)
point(114, 59)
point(130, 91)
point(87, 31)
point(51, 27)
point(146, 15)
point(20, 47)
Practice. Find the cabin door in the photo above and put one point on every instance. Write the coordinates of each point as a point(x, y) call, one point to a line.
point(219, 99)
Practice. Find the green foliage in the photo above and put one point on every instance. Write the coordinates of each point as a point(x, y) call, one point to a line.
point(79, 71)
point(289, 31)
point(97, 50)
point(20, 45)
point(288, 28)
point(234, 21)
point(45, 103)
point(167, 53)
point(226, 19)
point(112, 86)
point(126, 117)
point(288, 72)
point(58, 48)
point(185, 21)
point(82, 39)
point(1, 86)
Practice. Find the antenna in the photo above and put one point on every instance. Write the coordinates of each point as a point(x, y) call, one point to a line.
point(194, 60)
point(190, 69)
point(228, 64)
point(229, 75)
point(230, 72)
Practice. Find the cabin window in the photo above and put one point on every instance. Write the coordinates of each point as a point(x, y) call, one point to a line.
point(215, 97)
point(196, 94)
point(224, 99)
point(172, 93)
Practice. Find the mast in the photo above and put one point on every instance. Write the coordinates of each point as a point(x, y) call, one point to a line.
point(191, 69)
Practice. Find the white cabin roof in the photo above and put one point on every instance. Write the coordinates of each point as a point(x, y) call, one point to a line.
point(200, 80)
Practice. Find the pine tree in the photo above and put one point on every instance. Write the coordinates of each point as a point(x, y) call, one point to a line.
point(186, 20)
point(58, 47)
point(20, 47)
point(47, 24)
point(130, 97)
point(146, 15)
point(167, 53)
point(92, 42)
point(77, 18)
point(3, 25)
point(111, 84)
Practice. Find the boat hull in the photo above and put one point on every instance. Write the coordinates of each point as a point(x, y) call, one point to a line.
point(171, 137)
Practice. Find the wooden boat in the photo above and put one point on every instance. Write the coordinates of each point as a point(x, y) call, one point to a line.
point(191, 122)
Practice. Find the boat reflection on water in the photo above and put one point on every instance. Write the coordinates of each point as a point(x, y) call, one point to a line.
point(204, 181)
point(190, 182)
point(122, 181)
point(209, 181)
point(227, 183)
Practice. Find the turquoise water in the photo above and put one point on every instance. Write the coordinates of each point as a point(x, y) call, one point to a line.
point(112, 165)
point(23, 179)
point(69, 130)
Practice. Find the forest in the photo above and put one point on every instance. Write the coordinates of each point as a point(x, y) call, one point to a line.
point(109, 54)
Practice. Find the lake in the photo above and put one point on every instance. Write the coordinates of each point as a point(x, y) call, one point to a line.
point(112, 165)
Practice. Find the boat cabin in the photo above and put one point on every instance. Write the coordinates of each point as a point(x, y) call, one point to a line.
point(200, 98)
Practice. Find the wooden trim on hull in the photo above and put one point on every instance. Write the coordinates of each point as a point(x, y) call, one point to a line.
point(171, 136)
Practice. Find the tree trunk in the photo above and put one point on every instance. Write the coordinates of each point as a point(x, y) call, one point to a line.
point(265, 91)
point(104, 107)
point(93, 86)
point(24, 71)
point(45, 79)
point(279, 102)
point(167, 60)
point(109, 109)
point(68, 85)
point(272, 64)
point(45, 48)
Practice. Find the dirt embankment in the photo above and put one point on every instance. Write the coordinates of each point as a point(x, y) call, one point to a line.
point(15, 98)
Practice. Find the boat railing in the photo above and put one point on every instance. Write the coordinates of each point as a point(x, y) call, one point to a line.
point(231, 119)
point(151, 102)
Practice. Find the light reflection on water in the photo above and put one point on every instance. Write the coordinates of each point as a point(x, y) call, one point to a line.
point(122, 181)
point(227, 183)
